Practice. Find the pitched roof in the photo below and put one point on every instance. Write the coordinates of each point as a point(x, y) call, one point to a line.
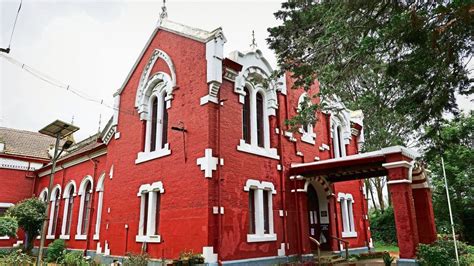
point(25, 143)
point(179, 29)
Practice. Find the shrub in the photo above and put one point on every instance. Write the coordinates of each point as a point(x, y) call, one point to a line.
point(442, 253)
point(8, 226)
point(16, 257)
point(56, 251)
point(136, 259)
point(387, 259)
point(382, 226)
point(74, 258)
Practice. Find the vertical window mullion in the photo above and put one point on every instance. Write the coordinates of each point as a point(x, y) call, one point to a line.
point(164, 120)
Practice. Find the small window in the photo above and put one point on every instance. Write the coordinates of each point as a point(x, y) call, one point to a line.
point(347, 215)
point(149, 220)
point(260, 120)
point(260, 211)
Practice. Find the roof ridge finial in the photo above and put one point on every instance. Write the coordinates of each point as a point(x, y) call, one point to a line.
point(253, 45)
point(164, 13)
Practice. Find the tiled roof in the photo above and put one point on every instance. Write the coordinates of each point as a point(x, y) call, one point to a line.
point(25, 143)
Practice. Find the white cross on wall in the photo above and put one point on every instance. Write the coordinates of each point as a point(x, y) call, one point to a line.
point(207, 163)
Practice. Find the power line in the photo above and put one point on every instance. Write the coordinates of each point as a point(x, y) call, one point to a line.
point(54, 82)
point(7, 50)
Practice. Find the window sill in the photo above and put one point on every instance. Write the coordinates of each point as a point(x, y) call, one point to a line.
point(50, 237)
point(269, 153)
point(349, 234)
point(4, 237)
point(147, 156)
point(80, 237)
point(95, 237)
point(65, 237)
point(309, 138)
point(148, 239)
point(261, 238)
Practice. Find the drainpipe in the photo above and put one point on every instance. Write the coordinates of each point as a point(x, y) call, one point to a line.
point(219, 166)
point(88, 235)
point(282, 181)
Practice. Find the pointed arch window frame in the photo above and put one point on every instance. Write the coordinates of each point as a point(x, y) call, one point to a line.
point(67, 212)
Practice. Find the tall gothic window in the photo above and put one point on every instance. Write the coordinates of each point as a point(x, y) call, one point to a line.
point(339, 147)
point(260, 119)
point(54, 210)
point(87, 207)
point(85, 190)
point(164, 127)
point(154, 123)
point(246, 117)
point(68, 208)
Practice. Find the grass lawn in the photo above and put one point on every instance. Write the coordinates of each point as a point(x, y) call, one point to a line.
point(380, 246)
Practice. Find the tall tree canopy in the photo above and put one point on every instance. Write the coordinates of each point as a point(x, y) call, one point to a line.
point(405, 60)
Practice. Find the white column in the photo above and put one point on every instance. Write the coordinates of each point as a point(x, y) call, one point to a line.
point(270, 212)
point(259, 227)
point(81, 211)
point(99, 214)
point(151, 219)
point(51, 216)
point(66, 208)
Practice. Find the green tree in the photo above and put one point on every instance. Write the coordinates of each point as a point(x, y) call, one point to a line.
point(454, 140)
point(30, 215)
point(410, 56)
point(8, 226)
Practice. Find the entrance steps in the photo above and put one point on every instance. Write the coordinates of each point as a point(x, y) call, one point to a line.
point(329, 258)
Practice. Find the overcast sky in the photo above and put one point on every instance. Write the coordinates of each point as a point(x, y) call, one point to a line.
point(92, 45)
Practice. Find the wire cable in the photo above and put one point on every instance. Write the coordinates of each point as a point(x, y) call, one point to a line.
point(14, 24)
point(54, 82)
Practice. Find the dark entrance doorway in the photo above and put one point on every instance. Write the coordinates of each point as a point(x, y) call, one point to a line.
point(317, 230)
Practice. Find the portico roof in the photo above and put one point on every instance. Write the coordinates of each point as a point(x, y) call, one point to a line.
point(358, 166)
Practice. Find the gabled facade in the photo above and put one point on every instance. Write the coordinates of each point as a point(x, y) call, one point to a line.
point(197, 157)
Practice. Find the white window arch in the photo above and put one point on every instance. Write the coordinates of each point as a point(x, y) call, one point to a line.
point(150, 201)
point(258, 128)
point(307, 131)
point(338, 132)
point(43, 195)
point(155, 102)
point(100, 199)
point(347, 214)
point(55, 199)
point(85, 191)
point(70, 191)
point(260, 211)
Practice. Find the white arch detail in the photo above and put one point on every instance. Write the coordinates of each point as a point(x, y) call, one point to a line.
point(146, 81)
point(67, 189)
point(82, 187)
point(43, 195)
point(56, 189)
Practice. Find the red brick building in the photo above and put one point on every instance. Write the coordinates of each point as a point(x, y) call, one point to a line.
point(198, 157)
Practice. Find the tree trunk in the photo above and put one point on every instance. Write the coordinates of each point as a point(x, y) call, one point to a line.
point(369, 188)
point(378, 184)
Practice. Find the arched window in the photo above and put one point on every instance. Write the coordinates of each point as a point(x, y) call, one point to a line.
point(150, 200)
point(87, 207)
point(246, 117)
point(69, 194)
point(154, 123)
point(156, 126)
point(307, 131)
point(43, 196)
point(339, 147)
point(340, 140)
point(260, 119)
point(85, 191)
point(164, 124)
point(53, 213)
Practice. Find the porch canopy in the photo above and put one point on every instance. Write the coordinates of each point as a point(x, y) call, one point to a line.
point(352, 167)
point(407, 184)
